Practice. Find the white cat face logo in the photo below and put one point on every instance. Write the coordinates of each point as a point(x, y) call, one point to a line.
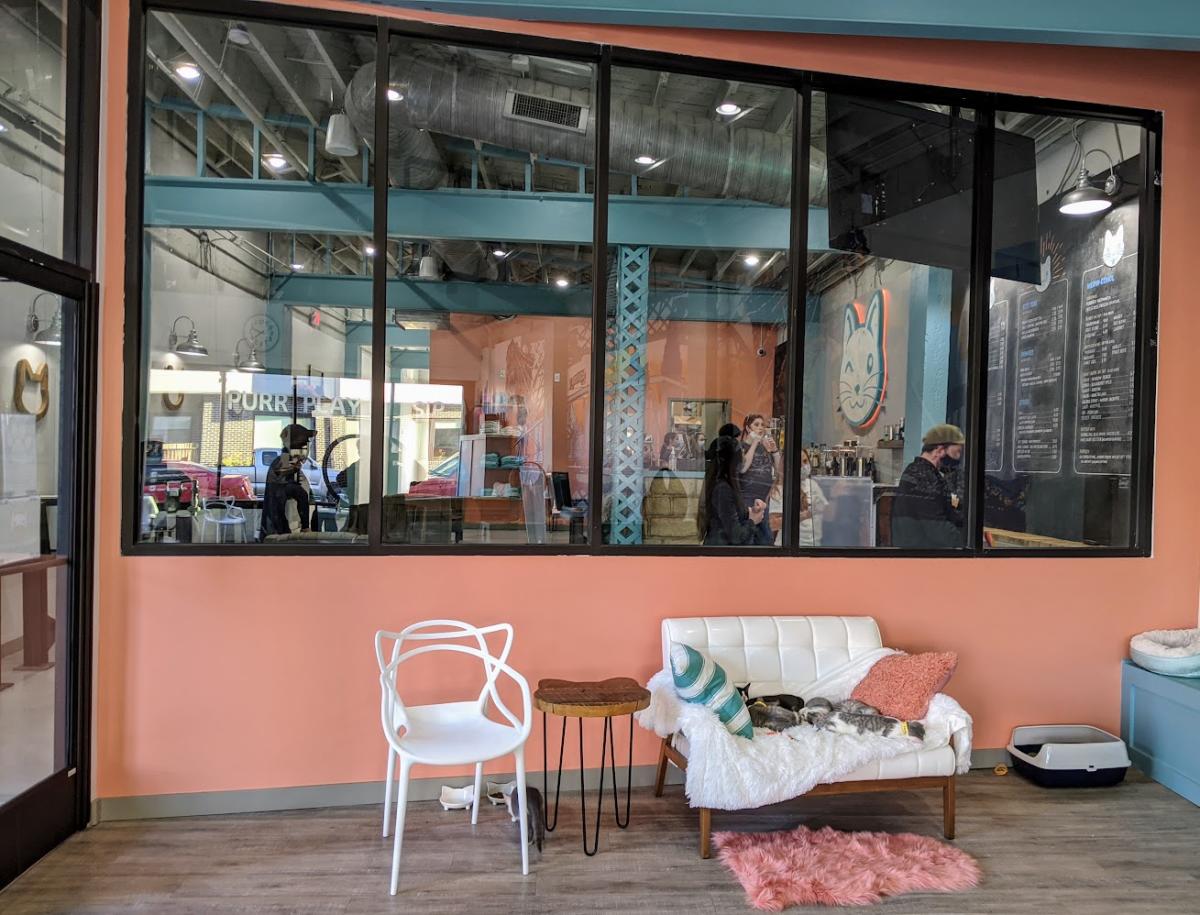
point(1046, 274)
point(1114, 246)
point(862, 381)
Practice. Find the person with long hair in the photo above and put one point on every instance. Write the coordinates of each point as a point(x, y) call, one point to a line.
point(761, 465)
point(725, 519)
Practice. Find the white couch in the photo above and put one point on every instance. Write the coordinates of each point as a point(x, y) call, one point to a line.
point(786, 654)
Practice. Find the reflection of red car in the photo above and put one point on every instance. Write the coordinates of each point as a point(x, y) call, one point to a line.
point(159, 476)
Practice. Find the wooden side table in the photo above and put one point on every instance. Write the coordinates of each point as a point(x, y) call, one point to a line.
point(596, 699)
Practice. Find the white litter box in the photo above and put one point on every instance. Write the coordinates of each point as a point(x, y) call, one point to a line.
point(1068, 756)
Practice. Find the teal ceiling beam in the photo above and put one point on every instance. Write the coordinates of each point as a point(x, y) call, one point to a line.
point(495, 216)
point(1154, 24)
point(463, 297)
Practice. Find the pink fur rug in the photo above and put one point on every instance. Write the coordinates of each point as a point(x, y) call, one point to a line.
point(828, 867)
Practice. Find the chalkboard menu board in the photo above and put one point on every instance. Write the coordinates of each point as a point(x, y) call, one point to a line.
point(1041, 363)
point(997, 384)
point(1060, 377)
point(1104, 420)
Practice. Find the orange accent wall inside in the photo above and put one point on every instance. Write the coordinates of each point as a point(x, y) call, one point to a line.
point(253, 672)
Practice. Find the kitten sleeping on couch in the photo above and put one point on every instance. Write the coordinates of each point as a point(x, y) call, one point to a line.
point(853, 717)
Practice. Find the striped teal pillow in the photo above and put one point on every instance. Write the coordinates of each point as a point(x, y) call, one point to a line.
point(702, 680)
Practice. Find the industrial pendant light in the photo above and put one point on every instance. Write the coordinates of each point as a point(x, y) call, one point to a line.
point(47, 336)
point(340, 138)
point(251, 363)
point(1085, 198)
point(52, 335)
point(192, 347)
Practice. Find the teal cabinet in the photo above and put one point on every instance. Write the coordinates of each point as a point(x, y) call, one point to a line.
point(1160, 723)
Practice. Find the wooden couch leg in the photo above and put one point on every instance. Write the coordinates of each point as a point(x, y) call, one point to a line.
point(948, 807)
point(661, 779)
point(705, 832)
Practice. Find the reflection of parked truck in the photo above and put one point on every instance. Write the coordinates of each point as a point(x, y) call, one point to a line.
point(263, 458)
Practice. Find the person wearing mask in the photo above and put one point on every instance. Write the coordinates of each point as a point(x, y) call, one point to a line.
point(725, 519)
point(286, 480)
point(812, 504)
point(761, 464)
point(927, 513)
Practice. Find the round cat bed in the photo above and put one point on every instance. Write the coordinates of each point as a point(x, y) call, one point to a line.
point(1172, 652)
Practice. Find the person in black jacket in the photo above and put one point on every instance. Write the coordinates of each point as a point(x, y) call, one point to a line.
point(725, 520)
point(927, 512)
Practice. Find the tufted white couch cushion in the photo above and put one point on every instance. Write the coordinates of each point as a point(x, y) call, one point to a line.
point(778, 654)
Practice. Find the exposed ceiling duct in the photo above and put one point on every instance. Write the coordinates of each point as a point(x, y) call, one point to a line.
point(704, 154)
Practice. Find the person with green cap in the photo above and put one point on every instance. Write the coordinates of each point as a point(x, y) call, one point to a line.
point(927, 513)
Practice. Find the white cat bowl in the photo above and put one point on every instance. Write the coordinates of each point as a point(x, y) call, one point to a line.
point(498, 791)
point(457, 798)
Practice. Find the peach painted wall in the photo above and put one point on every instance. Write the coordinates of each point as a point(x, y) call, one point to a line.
point(207, 680)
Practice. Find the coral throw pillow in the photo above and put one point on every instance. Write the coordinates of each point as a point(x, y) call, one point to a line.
point(902, 685)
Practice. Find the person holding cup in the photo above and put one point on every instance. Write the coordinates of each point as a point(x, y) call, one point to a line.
point(761, 466)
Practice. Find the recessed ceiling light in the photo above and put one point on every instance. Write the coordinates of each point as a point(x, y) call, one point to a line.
point(562, 282)
point(394, 95)
point(644, 160)
point(751, 260)
point(189, 72)
point(369, 250)
point(275, 161)
point(729, 108)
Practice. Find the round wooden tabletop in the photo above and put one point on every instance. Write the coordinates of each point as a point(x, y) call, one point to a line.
point(591, 699)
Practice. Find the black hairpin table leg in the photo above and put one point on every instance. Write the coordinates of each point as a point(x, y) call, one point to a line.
point(552, 823)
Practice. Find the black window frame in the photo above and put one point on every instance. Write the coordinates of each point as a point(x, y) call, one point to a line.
point(605, 56)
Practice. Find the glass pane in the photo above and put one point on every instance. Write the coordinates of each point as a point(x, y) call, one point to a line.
point(1061, 338)
point(37, 351)
point(885, 367)
point(489, 296)
point(696, 347)
point(257, 291)
point(33, 133)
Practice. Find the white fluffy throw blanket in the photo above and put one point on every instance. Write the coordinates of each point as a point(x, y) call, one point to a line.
point(726, 772)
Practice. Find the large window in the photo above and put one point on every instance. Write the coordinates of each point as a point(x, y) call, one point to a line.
point(489, 295)
point(1062, 332)
point(695, 384)
point(258, 256)
point(886, 402)
point(569, 279)
point(33, 122)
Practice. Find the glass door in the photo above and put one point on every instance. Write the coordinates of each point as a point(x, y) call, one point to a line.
point(42, 794)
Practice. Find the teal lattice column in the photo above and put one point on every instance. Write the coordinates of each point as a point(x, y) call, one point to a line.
point(625, 423)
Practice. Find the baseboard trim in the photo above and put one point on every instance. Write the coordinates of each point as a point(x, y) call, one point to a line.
point(258, 800)
point(354, 794)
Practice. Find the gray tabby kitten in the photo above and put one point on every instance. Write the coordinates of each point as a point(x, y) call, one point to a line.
point(853, 717)
point(536, 823)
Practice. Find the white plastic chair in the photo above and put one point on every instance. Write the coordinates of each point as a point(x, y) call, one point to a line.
point(225, 515)
point(450, 733)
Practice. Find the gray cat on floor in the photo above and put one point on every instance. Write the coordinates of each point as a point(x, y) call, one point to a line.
point(853, 717)
point(536, 823)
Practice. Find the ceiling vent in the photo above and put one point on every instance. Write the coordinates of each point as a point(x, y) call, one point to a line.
point(549, 112)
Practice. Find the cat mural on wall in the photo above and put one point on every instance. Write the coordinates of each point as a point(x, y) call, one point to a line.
point(862, 379)
point(1114, 246)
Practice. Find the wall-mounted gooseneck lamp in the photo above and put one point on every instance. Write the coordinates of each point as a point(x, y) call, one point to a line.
point(251, 363)
point(1085, 198)
point(47, 336)
point(192, 347)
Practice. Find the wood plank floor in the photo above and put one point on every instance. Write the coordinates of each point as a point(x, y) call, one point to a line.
point(1129, 849)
